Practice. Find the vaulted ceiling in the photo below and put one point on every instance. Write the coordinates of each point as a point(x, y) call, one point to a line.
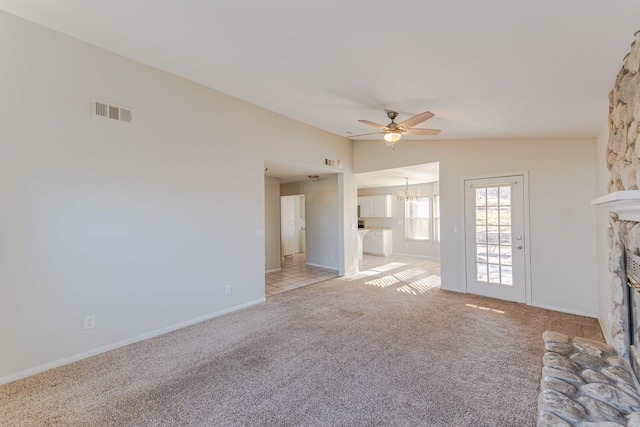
point(491, 69)
point(487, 69)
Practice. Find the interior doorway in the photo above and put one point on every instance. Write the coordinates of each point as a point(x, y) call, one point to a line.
point(292, 225)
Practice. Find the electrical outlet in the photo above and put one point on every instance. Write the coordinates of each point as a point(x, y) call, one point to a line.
point(227, 289)
point(90, 322)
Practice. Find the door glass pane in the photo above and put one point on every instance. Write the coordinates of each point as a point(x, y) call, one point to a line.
point(505, 196)
point(481, 253)
point(492, 235)
point(494, 273)
point(492, 216)
point(481, 234)
point(481, 215)
point(492, 196)
point(493, 254)
point(505, 215)
point(481, 268)
point(505, 255)
point(481, 196)
point(505, 236)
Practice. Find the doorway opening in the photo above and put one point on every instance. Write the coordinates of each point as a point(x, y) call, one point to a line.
point(303, 222)
point(292, 225)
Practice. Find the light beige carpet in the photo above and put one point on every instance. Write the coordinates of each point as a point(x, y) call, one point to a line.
point(385, 350)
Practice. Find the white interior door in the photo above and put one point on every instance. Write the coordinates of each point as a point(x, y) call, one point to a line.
point(287, 226)
point(495, 237)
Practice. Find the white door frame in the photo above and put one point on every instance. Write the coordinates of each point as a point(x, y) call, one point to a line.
point(527, 237)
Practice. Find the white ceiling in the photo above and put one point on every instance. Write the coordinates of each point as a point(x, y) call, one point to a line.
point(420, 174)
point(293, 172)
point(487, 69)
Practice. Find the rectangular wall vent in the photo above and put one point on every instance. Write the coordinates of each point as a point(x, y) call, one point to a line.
point(111, 111)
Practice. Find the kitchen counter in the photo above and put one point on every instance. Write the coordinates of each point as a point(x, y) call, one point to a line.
point(361, 233)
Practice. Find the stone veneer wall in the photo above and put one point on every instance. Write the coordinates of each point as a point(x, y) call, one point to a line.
point(623, 161)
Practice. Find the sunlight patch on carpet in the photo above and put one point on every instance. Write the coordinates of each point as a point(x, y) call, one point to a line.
point(485, 308)
point(383, 282)
point(407, 290)
point(360, 275)
point(409, 274)
point(426, 284)
point(389, 266)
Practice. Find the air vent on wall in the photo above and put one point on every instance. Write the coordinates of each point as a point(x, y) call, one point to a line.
point(111, 111)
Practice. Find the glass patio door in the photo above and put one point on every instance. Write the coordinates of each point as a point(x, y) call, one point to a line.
point(494, 236)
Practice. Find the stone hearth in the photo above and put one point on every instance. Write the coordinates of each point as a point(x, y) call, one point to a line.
point(586, 383)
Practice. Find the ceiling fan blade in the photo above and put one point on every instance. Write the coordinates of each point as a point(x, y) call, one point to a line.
point(418, 131)
point(365, 134)
point(367, 122)
point(419, 118)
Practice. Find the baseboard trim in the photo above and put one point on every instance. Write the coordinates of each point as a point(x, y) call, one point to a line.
point(565, 310)
point(273, 270)
point(321, 266)
point(606, 337)
point(76, 357)
point(417, 256)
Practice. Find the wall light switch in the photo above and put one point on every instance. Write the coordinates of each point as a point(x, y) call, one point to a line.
point(455, 228)
point(259, 232)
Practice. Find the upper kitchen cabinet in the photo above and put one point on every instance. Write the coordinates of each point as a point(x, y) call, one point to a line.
point(375, 206)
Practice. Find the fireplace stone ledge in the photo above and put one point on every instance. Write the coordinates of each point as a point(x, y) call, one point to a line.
point(586, 383)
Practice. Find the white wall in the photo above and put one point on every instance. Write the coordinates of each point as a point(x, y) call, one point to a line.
point(562, 184)
point(272, 223)
point(321, 218)
point(396, 222)
point(605, 306)
point(141, 224)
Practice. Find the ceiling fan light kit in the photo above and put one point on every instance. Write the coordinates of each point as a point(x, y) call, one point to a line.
point(392, 136)
point(394, 131)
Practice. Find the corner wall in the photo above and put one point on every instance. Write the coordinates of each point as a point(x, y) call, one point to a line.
point(271, 223)
point(605, 305)
point(140, 224)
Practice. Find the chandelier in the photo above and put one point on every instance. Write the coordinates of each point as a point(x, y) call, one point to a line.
point(407, 194)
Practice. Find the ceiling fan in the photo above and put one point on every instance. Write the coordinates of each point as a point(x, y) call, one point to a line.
point(394, 131)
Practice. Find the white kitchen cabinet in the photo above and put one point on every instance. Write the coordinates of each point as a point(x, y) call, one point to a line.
point(375, 206)
point(377, 242)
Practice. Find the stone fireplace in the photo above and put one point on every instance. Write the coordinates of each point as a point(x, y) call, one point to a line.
point(632, 269)
point(624, 266)
point(587, 383)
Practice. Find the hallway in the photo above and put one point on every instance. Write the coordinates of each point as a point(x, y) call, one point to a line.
point(295, 273)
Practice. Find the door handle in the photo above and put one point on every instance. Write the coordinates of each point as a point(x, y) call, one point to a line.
point(519, 246)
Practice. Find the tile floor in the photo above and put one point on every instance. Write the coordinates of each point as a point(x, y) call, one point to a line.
point(295, 273)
